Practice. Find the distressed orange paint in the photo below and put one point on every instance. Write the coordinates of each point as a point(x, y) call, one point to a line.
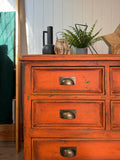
point(91, 129)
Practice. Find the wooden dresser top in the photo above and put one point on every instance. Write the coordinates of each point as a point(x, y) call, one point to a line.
point(99, 57)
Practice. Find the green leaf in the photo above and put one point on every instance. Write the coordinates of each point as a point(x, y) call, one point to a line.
point(92, 28)
point(81, 38)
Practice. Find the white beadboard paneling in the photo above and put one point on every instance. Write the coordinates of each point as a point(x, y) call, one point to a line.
point(63, 13)
point(38, 26)
point(88, 12)
point(67, 13)
point(98, 14)
point(48, 6)
point(84, 11)
point(58, 17)
point(77, 11)
point(107, 17)
point(115, 15)
point(48, 15)
point(29, 7)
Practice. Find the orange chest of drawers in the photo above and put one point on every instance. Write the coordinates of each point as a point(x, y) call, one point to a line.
point(72, 107)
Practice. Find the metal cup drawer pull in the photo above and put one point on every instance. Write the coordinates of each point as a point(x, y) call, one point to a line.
point(68, 151)
point(67, 80)
point(68, 114)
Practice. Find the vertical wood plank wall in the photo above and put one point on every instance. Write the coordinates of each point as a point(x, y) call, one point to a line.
point(63, 13)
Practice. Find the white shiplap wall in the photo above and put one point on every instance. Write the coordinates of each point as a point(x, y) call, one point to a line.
point(63, 13)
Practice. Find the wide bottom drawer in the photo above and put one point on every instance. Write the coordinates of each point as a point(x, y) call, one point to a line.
point(74, 149)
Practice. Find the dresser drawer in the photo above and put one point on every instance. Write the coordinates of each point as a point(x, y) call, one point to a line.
point(115, 115)
point(87, 80)
point(68, 114)
point(65, 149)
point(115, 80)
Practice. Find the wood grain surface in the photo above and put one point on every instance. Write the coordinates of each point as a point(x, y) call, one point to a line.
point(95, 98)
point(8, 151)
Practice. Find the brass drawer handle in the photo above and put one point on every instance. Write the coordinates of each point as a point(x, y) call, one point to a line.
point(68, 114)
point(67, 80)
point(68, 151)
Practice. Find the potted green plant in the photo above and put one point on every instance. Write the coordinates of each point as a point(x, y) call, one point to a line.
point(81, 39)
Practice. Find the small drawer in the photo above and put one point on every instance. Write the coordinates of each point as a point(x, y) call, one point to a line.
point(65, 149)
point(68, 114)
point(85, 80)
point(115, 80)
point(115, 115)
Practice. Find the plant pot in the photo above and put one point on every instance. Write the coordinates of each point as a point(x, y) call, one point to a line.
point(81, 51)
